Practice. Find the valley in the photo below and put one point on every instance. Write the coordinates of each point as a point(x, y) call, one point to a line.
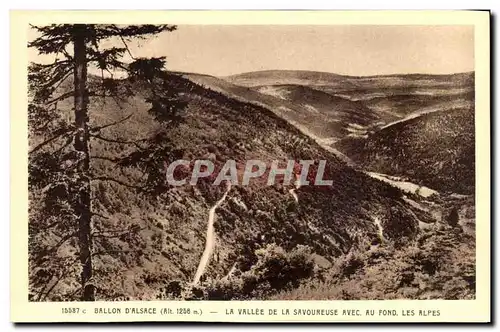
point(396, 167)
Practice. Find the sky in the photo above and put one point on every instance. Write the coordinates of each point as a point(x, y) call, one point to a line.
point(222, 50)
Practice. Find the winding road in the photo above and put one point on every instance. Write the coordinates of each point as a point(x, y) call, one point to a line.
point(210, 238)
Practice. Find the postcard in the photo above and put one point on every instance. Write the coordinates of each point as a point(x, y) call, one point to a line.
point(250, 166)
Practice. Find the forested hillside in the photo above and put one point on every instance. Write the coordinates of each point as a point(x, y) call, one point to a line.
point(147, 235)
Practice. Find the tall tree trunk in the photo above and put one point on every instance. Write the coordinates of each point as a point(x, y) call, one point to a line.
point(81, 145)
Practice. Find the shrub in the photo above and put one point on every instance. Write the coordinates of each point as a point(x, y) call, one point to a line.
point(274, 270)
point(351, 264)
point(281, 269)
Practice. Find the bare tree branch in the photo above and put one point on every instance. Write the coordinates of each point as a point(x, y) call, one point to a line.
point(114, 160)
point(109, 236)
point(63, 79)
point(58, 78)
point(53, 286)
point(44, 143)
point(61, 97)
point(126, 46)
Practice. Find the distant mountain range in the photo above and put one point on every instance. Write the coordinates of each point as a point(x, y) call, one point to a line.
point(414, 125)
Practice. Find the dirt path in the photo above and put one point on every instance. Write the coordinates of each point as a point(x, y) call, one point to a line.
point(405, 186)
point(210, 238)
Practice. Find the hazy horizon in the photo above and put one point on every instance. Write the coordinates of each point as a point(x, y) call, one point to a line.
point(327, 72)
point(354, 50)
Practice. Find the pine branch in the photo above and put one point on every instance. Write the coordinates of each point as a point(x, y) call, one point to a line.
point(60, 243)
point(67, 55)
point(110, 140)
point(107, 252)
point(47, 166)
point(46, 227)
point(42, 291)
point(48, 141)
point(58, 77)
point(44, 125)
point(72, 261)
point(126, 46)
point(114, 160)
point(61, 81)
point(53, 39)
point(142, 31)
point(43, 81)
point(109, 236)
point(106, 58)
point(60, 98)
point(53, 286)
point(54, 64)
point(99, 215)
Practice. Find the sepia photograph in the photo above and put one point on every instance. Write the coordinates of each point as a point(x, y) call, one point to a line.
point(244, 162)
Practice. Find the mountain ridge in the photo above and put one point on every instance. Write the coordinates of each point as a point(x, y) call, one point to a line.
point(161, 238)
point(290, 71)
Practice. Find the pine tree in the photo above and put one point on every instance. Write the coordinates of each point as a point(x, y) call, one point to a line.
point(59, 164)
